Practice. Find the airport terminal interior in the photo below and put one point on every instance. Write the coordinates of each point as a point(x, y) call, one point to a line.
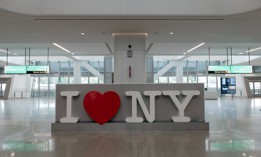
point(213, 43)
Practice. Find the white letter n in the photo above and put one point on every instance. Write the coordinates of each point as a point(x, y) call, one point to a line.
point(136, 97)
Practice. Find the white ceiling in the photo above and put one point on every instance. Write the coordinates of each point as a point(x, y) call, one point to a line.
point(240, 32)
point(130, 7)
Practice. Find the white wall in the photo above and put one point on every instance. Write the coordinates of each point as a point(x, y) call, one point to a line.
point(21, 83)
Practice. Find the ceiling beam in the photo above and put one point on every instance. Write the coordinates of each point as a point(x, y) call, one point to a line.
point(109, 48)
point(149, 47)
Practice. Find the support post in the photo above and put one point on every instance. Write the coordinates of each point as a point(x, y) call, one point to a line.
point(29, 55)
point(249, 56)
point(6, 57)
point(231, 55)
point(208, 55)
point(227, 55)
point(25, 56)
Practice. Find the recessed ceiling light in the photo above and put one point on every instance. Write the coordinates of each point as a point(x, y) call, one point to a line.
point(82, 33)
point(171, 33)
point(184, 53)
point(241, 53)
point(114, 34)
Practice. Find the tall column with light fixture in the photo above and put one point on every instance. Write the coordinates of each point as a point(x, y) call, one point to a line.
point(129, 58)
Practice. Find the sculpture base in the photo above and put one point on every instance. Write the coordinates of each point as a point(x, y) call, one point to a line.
point(117, 126)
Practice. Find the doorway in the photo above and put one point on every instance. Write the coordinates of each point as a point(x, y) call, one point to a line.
point(255, 88)
point(2, 89)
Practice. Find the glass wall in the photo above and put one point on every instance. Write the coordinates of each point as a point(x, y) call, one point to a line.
point(2, 88)
point(193, 72)
point(255, 88)
point(62, 73)
point(168, 77)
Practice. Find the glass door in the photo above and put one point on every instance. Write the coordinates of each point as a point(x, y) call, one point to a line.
point(2, 89)
point(252, 90)
point(257, 91)
point(255, 88)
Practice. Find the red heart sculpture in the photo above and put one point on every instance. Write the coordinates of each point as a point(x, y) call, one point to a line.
point(101, 108)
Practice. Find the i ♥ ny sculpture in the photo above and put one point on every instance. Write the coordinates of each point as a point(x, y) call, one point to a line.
point(102, 108)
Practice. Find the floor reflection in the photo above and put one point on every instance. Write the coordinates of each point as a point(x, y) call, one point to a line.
point(28, 146)
point(131, 144)
point(235, 128)
point(230, 145)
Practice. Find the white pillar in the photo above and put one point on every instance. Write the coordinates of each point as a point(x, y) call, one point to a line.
point(129, 67)
point(77, 72)
point(108, 69)
point(179, 72)
point(28, 86)
point(149, 73)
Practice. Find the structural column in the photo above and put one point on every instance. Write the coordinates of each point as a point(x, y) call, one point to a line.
point(179, 72)
point(77, 72)
point(108, 67)
point(150, 69)
point(129, 58)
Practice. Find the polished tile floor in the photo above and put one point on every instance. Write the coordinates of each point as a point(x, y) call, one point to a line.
point(235, 131)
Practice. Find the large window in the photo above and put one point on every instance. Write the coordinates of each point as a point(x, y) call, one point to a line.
point(2, 88)
point(163, 79)
point(193, 72)
point(168, 77)
point(212, 82)
point(53, 82)
point(203, 79)
point(172, 79)
point(63, 73)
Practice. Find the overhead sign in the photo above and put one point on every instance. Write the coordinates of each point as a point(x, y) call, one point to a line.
point(232, 69)
point(37, 69)
point(15, 70)
point(219, 69)
point(22, 69)
point(247, 69)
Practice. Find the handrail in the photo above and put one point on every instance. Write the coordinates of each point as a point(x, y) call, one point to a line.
point(22, 93)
